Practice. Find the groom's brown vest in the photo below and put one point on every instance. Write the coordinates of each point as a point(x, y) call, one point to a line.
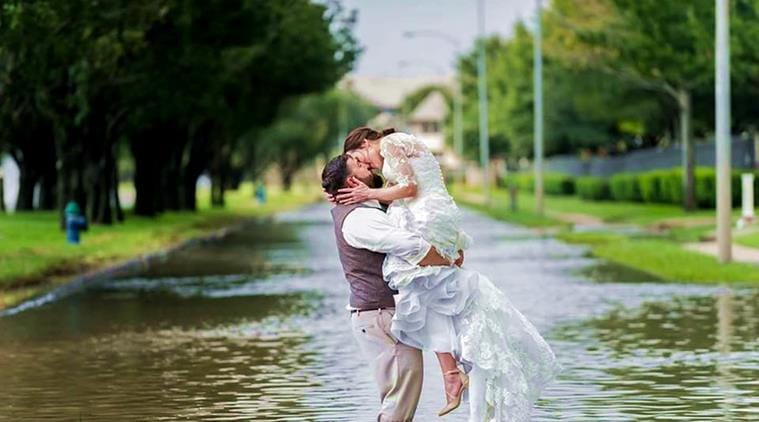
point(363, 268)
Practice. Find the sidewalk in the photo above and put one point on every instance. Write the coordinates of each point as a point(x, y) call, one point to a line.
point(740, 253)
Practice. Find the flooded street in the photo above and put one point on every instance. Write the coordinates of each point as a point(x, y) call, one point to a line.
point(253, 327)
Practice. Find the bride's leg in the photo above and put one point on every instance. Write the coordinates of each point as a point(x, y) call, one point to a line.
point(452, 378)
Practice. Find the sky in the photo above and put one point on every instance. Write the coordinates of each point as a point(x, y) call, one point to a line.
point(382, 23)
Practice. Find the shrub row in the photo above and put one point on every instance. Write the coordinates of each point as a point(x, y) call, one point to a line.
point(665, 187)
point(657, 186)
point(553, 183)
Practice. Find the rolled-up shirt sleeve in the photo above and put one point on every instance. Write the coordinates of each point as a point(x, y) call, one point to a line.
point(370, 228)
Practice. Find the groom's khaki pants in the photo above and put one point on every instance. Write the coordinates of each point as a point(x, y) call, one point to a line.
point(397, 367)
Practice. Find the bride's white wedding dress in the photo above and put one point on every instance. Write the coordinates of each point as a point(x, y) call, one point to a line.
point(457, 310)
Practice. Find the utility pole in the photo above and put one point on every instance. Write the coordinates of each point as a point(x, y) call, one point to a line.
point(483, 97)
point(458, 127)
point(722, 104)
point(538, 108)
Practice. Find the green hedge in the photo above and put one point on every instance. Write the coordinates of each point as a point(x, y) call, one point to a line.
point(553, 183)
point(666, 187)
point(593, 188)
point(558, 184)
point(625, 187)
point(656, 186)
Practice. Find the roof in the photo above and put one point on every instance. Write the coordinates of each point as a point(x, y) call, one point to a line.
point(433, 108)
point(386, 92)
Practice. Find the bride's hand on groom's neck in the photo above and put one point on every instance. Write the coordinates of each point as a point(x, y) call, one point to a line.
point(356, 192)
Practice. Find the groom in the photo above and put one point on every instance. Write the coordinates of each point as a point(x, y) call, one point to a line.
point(364, 235)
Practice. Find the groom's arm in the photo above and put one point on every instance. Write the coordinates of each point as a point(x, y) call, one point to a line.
point(370, 228)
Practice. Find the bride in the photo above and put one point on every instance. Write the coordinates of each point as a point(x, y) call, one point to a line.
point(456, 312)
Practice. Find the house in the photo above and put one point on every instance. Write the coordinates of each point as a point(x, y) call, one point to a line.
point(426, 121)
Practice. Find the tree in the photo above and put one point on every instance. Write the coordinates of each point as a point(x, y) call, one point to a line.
point(666, 47)
point(578, 114)
point(61, 69)
point(215, 72)
point(309, 126)
point(182, 82)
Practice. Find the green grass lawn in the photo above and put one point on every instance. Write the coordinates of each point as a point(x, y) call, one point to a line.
point(750, 238)
point(33, 249)
point(656, 252)
point(662, 258)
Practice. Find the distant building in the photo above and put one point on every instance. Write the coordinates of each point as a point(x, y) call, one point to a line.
point(388, 93)
point(426, 121)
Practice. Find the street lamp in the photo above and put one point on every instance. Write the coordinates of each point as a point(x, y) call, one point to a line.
point(538, 109)
point(458, 124)
point(483, 97)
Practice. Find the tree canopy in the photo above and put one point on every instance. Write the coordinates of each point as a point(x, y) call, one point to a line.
point(185, 84)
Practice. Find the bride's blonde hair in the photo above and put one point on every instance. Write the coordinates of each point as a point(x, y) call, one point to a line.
point(355, 138)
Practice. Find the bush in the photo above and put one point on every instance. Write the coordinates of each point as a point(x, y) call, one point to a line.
point(705, 187)
point(625, 187)
point(558, 184)
point(650, 187)
point(671, 186)
point(553, 183)
point(592, 188)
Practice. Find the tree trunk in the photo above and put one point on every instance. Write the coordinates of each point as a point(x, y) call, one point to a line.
point(48, 192)
point(103, 213)
point(2, 191)
point(115, 193)
point(27, 180)
point(217, 190)
point(152, 150)
point(172, 172)
point(287, 179)
point(146, 178)
point(219, 173)
point(689, 160)
point(48, 176)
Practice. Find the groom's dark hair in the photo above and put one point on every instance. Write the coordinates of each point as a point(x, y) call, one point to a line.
point(335, 173)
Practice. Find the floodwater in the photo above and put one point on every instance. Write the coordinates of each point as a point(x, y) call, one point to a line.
point(253, 327)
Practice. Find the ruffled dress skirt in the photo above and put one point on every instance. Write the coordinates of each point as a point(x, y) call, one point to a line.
point(456, 310)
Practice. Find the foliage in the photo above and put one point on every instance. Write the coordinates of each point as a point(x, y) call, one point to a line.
point(183, 83)
point(310, 126)
point(625, 187)
point(618, 75)
point(412, 101)
point(593, 188)
point(553, 183)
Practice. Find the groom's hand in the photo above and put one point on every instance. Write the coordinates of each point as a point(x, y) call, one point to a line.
point(460, 260)
point(329, 197)
point(433, 258)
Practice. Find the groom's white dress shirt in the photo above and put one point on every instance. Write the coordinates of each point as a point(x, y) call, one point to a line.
point(368, 227)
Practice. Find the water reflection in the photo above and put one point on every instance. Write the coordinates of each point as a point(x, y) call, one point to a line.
point(688, 356)
point(253, 327)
